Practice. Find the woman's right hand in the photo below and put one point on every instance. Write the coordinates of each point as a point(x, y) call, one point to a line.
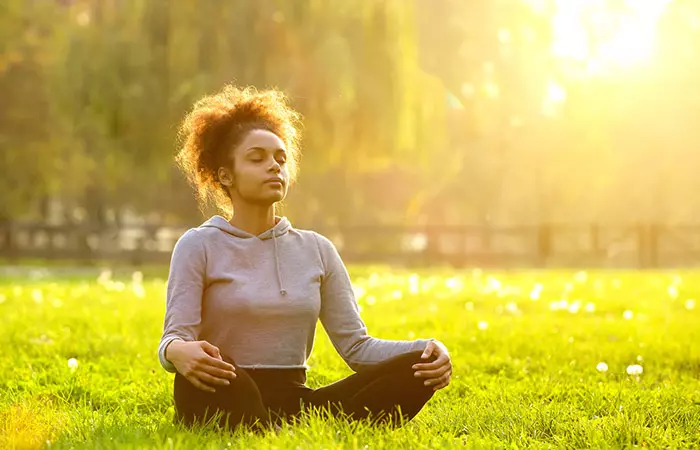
point(201, 363)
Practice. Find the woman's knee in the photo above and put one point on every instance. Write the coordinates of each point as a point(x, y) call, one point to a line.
point(406, 361)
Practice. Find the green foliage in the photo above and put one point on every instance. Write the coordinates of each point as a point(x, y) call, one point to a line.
point(443, 101)
point(525, 361)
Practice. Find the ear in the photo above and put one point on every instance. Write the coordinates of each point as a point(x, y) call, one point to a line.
point(225, 177)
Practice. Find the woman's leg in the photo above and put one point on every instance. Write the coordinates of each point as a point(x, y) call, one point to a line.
point(239, 403)
point(388, 392)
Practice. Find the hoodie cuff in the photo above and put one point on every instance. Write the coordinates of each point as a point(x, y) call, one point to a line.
point(167, 365)
point(420, 344)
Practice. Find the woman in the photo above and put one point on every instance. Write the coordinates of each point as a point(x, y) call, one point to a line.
point(244, 295)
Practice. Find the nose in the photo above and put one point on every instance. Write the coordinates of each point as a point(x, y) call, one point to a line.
point(275, 166)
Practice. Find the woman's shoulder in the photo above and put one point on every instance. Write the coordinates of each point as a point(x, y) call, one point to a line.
point(315, 237)
point(191, 240)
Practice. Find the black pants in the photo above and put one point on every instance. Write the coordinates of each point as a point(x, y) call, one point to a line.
point(386, 393)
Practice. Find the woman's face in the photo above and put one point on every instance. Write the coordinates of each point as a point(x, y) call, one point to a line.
point(259, 174)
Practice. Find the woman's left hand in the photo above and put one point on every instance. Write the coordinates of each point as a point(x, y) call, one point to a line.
point(438, 372)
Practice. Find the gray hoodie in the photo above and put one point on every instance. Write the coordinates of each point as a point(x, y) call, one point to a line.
point(258, 298)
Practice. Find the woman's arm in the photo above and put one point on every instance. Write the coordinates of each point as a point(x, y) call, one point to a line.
point(183, 311)
point(341, 319)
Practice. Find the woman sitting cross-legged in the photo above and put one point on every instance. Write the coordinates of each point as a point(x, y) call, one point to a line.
point(245, 293)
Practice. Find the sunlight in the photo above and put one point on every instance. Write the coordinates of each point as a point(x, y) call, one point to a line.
point(602, 34)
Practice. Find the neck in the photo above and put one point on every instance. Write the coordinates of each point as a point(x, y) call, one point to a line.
point(254, 219)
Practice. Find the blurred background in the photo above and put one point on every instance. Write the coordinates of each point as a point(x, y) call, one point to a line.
point(482, 132)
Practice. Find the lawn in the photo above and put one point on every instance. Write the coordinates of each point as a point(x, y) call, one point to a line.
point(542, 359)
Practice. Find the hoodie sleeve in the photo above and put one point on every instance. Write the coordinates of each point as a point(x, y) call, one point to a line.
point(341, 319)
point(183, 312)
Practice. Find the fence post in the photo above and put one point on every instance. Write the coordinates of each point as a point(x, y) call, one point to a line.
point(653, 242)
point(595, 240)
point(544, 243)
point(643, 240)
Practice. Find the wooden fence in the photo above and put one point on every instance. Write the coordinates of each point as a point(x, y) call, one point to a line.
point(545, 245)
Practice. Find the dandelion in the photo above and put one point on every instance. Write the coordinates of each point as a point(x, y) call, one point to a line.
point(105, 277)
point(482, 325)
point(371, 300)
point(672, 292)
point(628, 315)
point(397, 295)
point(137, 277)
point(575, 307)
point(639, 358)
point(138, 290)
point(559, 305)
point(57, 303)
point(454, 283)
point(581, 277)
point(2, 298)
point(469, 306)
point(590, 307)
point(601, 367)
point(536, 292)
point(411, 335)
point(72, 364)
point(414, 284)
point(37, 296)
point(494, 284)
point(635, 369)
point(689, 304)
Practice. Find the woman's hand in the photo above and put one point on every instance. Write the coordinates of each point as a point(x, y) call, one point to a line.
point(438, 372)
point(201, 363)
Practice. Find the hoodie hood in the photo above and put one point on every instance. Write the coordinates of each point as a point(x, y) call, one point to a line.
point(281, 227)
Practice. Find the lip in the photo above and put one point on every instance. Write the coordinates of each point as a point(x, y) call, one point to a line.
point(275, 180)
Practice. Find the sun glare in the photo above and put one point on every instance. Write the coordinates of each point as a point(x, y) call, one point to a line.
point(602, 34)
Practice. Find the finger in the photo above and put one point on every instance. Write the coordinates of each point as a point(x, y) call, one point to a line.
point(436, 373)
point(199, 385)
point(440, 386)
point(212, 380)
point(439, 356)
point(441, 361)
point(441, 379)
point(219, 372)
point(429, 348)
point(211, 350)
point(219, 363)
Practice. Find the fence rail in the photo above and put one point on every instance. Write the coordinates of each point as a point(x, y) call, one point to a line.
point(546, 245)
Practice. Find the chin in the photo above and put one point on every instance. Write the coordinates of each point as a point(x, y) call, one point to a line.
point(270, 200)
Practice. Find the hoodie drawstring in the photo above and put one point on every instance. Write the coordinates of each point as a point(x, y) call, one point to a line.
point(283, 291)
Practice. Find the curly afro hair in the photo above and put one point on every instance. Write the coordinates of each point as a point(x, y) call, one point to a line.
point(217, 123)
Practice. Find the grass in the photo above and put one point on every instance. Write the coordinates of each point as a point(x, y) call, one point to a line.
point(526, 362)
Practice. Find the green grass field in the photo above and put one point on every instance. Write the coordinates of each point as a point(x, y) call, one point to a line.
point(79, 366)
